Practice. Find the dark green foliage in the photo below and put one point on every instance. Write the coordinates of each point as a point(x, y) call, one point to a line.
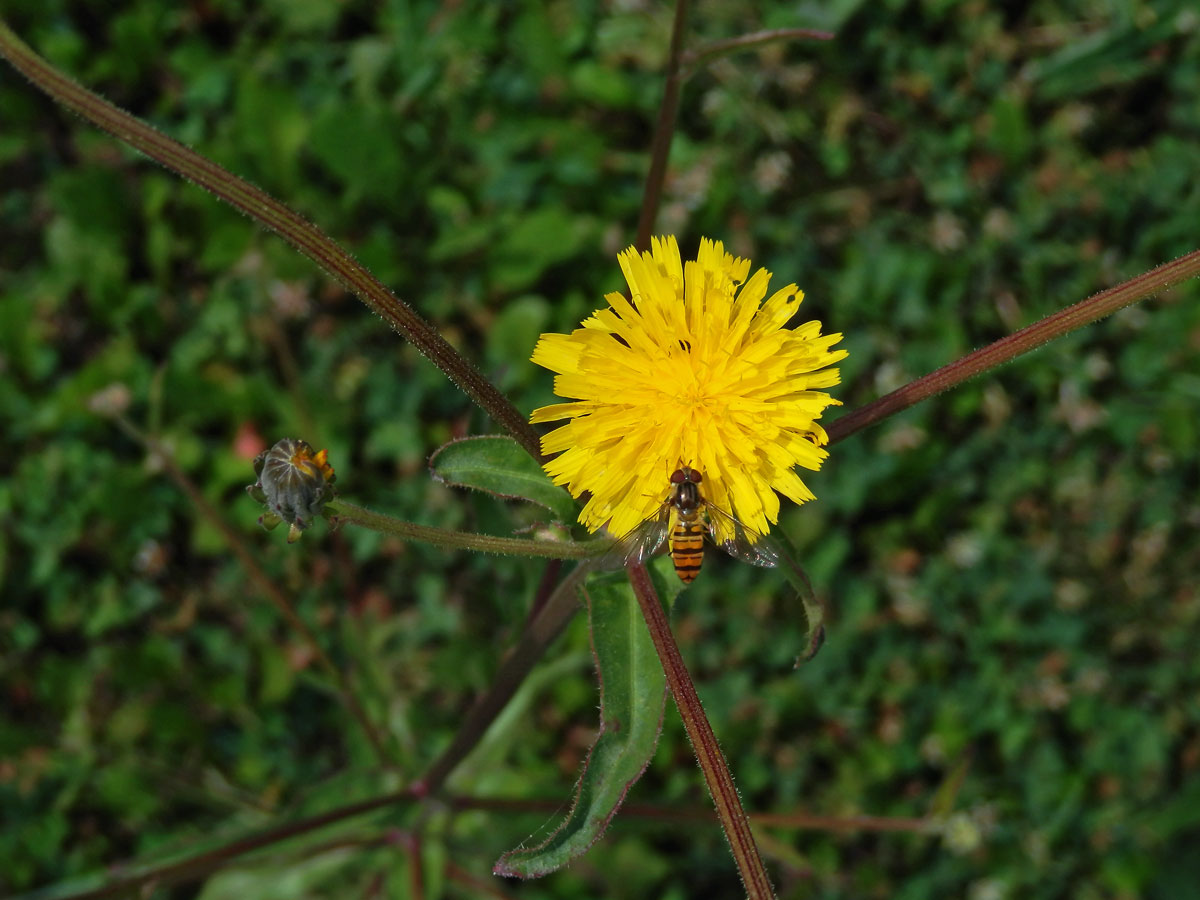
point(1009, 570)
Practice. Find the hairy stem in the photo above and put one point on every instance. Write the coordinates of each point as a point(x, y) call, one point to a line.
point(270, 213)
point(353, 514)
point(732, 816)
point(1008, 348)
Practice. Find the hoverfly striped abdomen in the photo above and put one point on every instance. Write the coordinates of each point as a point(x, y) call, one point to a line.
point(687, 550)
point(685, 520)
point(687, 536)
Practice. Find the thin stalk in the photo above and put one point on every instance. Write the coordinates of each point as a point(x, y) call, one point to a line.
point(353, 514)
point(1008, 348)
point(270, 213)
point(693, 59)
point(664, 130)
point(261, 580)
point(732, 816)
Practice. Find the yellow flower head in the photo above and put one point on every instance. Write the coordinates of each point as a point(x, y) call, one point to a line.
point(696, 371)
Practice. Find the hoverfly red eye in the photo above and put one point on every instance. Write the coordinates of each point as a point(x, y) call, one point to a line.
point(694, 476)
point(678, 476)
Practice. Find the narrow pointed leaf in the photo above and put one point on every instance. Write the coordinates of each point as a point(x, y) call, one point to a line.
point(500, 466)
point(632, 699)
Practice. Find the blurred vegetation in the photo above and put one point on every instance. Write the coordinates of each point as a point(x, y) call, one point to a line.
point(1010, 570)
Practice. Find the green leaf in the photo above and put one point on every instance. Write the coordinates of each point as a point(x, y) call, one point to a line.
point(632, 698)
point(498, 465)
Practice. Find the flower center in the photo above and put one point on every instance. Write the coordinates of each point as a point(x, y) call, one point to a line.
point(688, 388)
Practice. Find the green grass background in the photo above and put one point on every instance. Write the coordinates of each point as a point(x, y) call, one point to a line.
point(1009, 570)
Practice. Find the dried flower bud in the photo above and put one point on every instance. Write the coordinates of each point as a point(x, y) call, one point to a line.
point(294, 483)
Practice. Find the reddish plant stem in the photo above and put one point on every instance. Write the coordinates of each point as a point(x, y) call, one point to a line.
point(664, 130)
point(732, 816)
point(270, 213)
point(1008, 348)
point(448, 539)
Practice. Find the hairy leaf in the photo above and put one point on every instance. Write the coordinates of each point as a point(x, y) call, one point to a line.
point(632, 696)
point(498, 465)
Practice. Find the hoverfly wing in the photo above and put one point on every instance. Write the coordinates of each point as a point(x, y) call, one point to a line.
point(640, 545)
point(757, 549)
point(743, 543)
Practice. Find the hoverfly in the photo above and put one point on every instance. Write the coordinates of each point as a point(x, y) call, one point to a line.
point(686, 518)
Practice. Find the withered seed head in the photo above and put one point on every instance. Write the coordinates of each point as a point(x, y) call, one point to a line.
point(294, 483)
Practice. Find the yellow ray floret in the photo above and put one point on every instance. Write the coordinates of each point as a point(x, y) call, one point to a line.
point(694, 369)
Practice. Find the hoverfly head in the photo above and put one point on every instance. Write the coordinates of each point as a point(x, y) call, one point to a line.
point(685, 495)
point(686, 474)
